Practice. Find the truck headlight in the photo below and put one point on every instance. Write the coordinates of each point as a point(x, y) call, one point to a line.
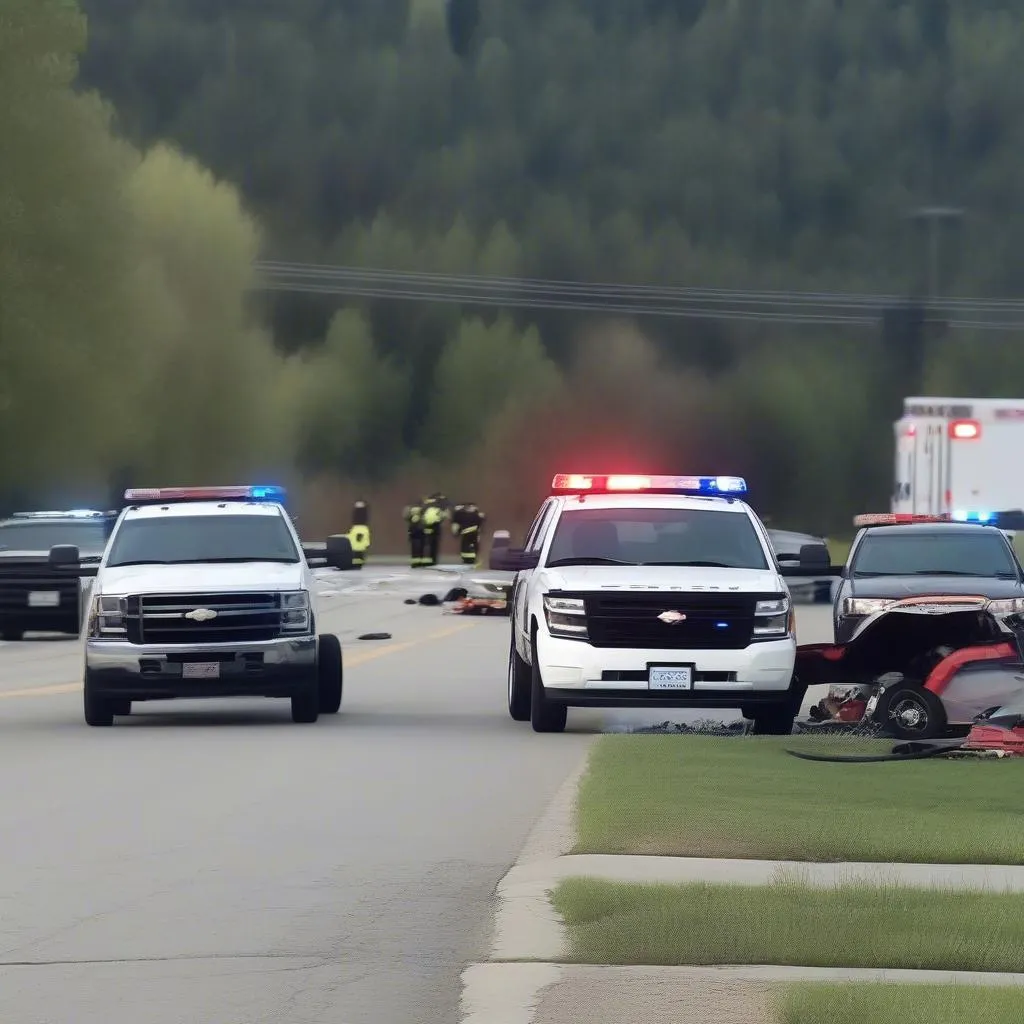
point(295, 612)
point(865, 605)
point(1008, 606)
point(107, 618)
point(773, 618)
point(566, 617)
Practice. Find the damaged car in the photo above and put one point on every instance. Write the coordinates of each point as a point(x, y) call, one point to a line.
point(922, 667)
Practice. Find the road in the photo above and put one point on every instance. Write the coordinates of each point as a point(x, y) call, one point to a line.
point(212, 861)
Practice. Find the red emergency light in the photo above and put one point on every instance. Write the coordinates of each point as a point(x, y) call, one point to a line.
point(965, 430)
point(627, 483)
point(894, 518)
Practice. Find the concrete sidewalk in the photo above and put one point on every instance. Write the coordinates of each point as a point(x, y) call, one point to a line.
point(511, 990)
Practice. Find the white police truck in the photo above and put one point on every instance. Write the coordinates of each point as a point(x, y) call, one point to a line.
point(204, 592)
point(663, 591)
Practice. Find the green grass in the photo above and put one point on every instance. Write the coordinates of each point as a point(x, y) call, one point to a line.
point(884, 926)
point(899, 1004)
point(697, 796)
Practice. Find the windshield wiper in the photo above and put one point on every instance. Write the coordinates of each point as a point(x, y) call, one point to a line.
point(290, 560)
point(588, 560)
point(706, 565)
point(137, 561)
point(944, 572)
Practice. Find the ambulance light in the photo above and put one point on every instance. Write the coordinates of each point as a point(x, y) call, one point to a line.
point(604, 483)
point(965, 430)
point(250, 493)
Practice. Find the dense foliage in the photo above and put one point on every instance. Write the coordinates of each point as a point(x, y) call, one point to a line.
point(732, 143)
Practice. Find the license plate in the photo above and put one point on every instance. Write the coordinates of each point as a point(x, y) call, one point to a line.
point(201, 670)
point(44, 599)
point(674, 677)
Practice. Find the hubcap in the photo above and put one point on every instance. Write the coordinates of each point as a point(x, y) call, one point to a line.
point(911, 715)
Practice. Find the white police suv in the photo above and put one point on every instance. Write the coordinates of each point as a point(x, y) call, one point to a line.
point(204, 592)
point(636, 591)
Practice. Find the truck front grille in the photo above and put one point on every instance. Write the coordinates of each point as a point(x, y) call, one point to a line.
point(630, 620)
point(16, 584)
point(240, 618)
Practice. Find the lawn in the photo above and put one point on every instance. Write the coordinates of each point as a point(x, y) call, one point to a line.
point(907, 1004)
point(699, 796)
point(884, 926)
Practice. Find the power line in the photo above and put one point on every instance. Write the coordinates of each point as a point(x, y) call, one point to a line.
point(821, 308)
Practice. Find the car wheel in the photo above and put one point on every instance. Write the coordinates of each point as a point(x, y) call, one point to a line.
point(339, 552)
point(12, 635)
point(99, 712)
point(306, 703)
point(545, 715)
point(773, 719)
point(911, 713)
point(520, 682)
point(329, 671)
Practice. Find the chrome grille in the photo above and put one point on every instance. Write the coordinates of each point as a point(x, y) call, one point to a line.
point(239, 618)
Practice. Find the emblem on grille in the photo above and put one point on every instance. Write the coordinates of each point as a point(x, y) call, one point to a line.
point(201, 614)
point(672, 618)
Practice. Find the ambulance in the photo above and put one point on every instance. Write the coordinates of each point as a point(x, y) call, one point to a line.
point(959, 458)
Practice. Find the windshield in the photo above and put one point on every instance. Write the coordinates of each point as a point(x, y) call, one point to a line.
point(923, 554)
point(656, 536)
point(89, 537)
point(216, 538)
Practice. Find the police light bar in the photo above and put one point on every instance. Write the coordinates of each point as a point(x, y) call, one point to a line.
point(973, 516)
point(895, 518)
point(249, 493)
point(605, 483)
point(75, 513)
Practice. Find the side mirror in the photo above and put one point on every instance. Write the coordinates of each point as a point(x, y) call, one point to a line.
point(514, 559)
point(814, 556)
point(64, 556)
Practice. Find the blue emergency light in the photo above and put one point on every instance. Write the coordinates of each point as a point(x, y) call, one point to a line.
point(625, 483)
point(973, 516)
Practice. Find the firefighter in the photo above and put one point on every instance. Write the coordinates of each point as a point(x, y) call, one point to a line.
point(359, 533)
point(435, 512)
point(414, 527)
point(467, 523)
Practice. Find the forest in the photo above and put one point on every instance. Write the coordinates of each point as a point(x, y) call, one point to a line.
point(159, 154)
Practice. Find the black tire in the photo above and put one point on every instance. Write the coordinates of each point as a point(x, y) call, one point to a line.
point(774, 719)
point(911, 712)
point(121, 707)
point(306, 704)
point(520, 683)
point(329, 673)
point(545, 715)
point(99, 711)
point(12, 635)
point(338, 552)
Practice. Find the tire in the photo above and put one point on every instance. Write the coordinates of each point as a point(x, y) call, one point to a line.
point(121, 707)
point(545, 715)
point(306, 704)
point(12, 635)
point(774, 719)
point(520, 683)
point(338, 552)
point(329, 673)
point(911, 712)
point(99, 711)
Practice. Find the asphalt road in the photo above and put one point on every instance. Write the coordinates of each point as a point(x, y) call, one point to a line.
point(212, 861)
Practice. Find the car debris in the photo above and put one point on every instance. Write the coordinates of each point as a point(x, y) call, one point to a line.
point(921, 667)
point(374, 636)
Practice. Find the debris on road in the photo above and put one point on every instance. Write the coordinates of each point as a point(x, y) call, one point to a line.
point(374, 636)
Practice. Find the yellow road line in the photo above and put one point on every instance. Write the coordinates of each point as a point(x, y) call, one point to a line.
point(359, 659)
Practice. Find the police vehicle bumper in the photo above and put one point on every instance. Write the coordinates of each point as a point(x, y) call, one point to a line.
point(577, 673)
point(267, 668)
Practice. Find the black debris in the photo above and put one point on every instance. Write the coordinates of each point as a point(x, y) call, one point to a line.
point(375, 636)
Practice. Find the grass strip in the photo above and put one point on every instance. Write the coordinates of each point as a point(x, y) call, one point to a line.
point(700, 796)
point(857, 1003)
point(884, 926)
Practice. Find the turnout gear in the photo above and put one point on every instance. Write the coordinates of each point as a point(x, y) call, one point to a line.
point(359, 533)
point(435, 513)
point(467, 523)
point(414, 528)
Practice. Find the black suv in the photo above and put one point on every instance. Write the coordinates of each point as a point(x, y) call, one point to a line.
point(921, 559)
point(37, 594)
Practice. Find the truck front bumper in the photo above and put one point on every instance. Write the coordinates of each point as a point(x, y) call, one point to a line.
point(272, 668)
